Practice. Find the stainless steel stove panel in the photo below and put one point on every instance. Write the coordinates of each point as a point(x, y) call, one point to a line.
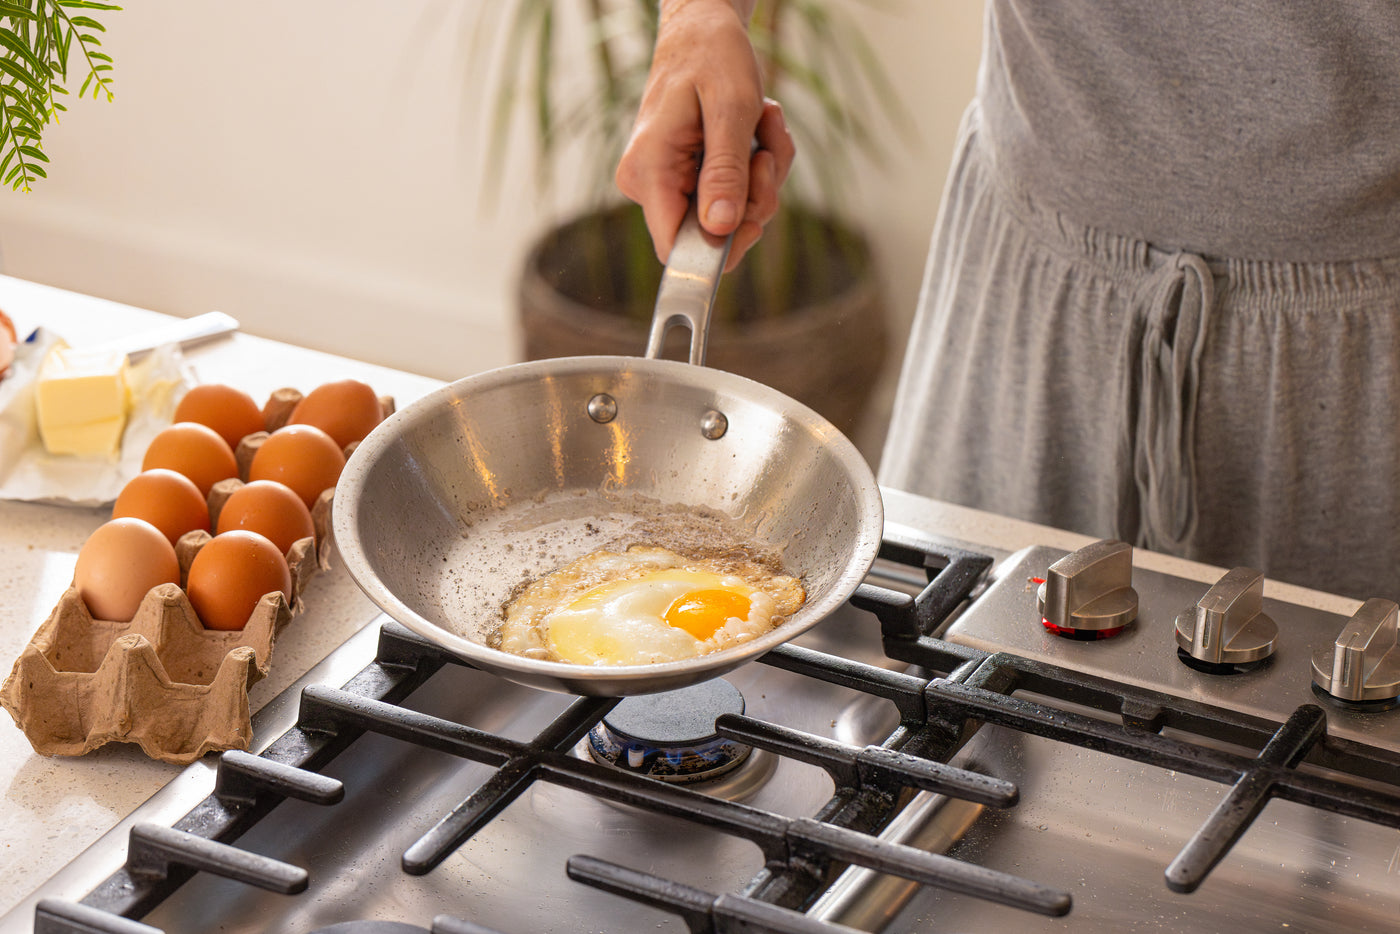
point(1099, 826)
point(1105, 829)
point(1005, 618)
point(510, 875)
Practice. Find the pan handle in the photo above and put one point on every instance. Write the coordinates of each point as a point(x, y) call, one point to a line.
point(688, 286)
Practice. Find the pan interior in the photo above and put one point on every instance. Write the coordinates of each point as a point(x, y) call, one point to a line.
point(498, 479)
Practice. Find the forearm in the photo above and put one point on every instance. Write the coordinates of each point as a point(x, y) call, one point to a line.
point(704, 94)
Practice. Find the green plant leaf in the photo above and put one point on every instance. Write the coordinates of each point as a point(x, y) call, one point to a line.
point(20, 74)
point(15, 92)
point(36, 41)
point(543, 92)
point(16, 46)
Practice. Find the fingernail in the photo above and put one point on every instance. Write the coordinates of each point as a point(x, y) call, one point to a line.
point(722, 212)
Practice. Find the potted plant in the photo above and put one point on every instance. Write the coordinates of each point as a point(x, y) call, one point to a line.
point(37, 40)
point(804, 312)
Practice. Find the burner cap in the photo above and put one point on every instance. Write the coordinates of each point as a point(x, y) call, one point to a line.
point(1220, 668)
point(675, 717)
point(1361, 706)
point(671, 735)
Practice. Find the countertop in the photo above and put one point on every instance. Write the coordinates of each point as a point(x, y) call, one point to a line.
point(54, 808)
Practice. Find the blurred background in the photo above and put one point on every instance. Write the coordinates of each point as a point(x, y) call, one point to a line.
point(318, 170)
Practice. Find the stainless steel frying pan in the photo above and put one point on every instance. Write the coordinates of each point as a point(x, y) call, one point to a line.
point(504, 476)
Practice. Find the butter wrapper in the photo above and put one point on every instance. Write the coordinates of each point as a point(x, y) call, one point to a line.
point(28, 472)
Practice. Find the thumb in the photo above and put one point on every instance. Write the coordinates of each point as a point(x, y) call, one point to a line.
point(724, 178)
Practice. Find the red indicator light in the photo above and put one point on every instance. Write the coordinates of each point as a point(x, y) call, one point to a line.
point(1081, 635)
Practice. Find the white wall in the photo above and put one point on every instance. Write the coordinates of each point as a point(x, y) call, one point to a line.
point(314, 169)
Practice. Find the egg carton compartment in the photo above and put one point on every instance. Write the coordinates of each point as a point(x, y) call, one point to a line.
point(305, 558)
point(277, 410)
point(162, 681)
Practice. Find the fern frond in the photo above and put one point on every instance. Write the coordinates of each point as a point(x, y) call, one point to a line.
point(37, 39)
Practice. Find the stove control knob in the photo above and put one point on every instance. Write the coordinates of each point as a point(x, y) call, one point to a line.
point(1088, 593)
point(1364, 663)
point(1228, 626)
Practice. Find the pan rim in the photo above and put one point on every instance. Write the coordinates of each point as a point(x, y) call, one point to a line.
point(611, 680)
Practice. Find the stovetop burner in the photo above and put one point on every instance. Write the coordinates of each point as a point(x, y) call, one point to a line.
point(418, 789)
point(671, 736)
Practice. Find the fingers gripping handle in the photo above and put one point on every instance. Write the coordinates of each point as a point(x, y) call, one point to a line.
point(688, 286)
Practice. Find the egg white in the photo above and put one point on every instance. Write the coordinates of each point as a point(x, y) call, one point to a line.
point(608, 608)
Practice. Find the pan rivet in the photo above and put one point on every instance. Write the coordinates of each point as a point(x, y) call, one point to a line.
point(714, 425)
point(602, 408)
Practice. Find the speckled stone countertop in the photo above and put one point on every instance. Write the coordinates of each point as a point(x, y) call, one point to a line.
point(53, 808)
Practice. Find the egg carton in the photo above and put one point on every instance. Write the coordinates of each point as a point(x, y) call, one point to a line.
point(161, 681)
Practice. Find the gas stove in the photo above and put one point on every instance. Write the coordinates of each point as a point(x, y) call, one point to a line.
point(1048, 738)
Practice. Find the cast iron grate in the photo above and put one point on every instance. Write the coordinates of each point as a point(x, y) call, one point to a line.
point(955, 690)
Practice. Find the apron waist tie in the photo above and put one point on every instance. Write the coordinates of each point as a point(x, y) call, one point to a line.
point(1164, 455)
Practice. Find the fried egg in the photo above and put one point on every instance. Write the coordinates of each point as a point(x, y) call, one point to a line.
point(643, 606)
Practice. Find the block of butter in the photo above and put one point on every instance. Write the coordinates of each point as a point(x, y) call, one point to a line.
point(82, 399)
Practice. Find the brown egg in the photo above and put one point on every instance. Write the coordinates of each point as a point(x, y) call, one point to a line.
point(194, 450)
point(167, 500)
point(302, 457)
point(269, 508)
point(229, 411)
point(118, 563)
point(231, 573)
point(347, 410)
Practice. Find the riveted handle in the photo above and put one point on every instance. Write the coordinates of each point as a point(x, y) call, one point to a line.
point(688, 286)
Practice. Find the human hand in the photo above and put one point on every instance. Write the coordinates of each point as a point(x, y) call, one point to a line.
point(704, 95)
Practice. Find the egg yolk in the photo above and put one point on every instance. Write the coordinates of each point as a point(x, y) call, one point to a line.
point(702, 612)
point(661, 615)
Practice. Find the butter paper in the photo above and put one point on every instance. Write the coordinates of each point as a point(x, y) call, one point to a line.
point(30, 473)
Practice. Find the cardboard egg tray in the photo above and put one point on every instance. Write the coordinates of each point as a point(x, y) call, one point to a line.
point(162, 681)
